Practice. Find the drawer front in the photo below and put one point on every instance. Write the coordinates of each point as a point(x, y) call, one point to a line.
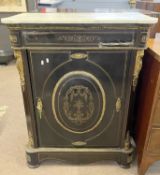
point(156, 119)
point(78, 38)
point(154, 142)
point(75, 36)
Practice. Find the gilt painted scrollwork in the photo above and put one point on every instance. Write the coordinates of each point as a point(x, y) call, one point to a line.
point(78, 104)
point(19, 64)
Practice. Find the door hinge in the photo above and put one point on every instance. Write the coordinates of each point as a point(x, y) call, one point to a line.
point(39, 107)
point(118, 105)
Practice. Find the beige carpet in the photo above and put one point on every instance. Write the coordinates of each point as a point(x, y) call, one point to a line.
point(13, 137)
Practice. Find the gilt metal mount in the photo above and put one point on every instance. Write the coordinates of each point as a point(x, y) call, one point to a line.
point(13, 38)
point(79, 143)
point(39, 107)
point(79, 56)
point(118, 105)
point(138, 66)
point(127, 141)
point(19, 64)
point(30, 139)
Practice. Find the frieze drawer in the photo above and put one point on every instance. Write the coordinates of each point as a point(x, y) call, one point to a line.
point(78, 38)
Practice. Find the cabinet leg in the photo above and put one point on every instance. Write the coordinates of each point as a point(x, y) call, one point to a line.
point(126, 160)
point(125, 166)
point(32, 160)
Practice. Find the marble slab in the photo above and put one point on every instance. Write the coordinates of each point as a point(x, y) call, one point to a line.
point(80, 18)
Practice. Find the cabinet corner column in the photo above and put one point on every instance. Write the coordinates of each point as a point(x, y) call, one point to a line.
point(22, 66)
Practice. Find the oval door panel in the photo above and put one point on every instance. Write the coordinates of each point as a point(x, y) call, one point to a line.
point(78, 102)
point(75, 100)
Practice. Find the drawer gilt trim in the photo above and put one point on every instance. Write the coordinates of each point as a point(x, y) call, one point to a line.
point(86, 74)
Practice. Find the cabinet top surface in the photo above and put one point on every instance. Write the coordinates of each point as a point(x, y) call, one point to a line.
point(80, 18)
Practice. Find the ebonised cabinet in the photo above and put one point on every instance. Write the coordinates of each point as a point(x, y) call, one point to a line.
point(77, 75)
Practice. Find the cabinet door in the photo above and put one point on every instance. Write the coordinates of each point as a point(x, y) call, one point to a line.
point(81, 97)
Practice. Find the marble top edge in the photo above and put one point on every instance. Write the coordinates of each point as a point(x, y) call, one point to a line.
point(80, 18)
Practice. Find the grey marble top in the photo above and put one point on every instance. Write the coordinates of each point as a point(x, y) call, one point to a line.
point(80, 18)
